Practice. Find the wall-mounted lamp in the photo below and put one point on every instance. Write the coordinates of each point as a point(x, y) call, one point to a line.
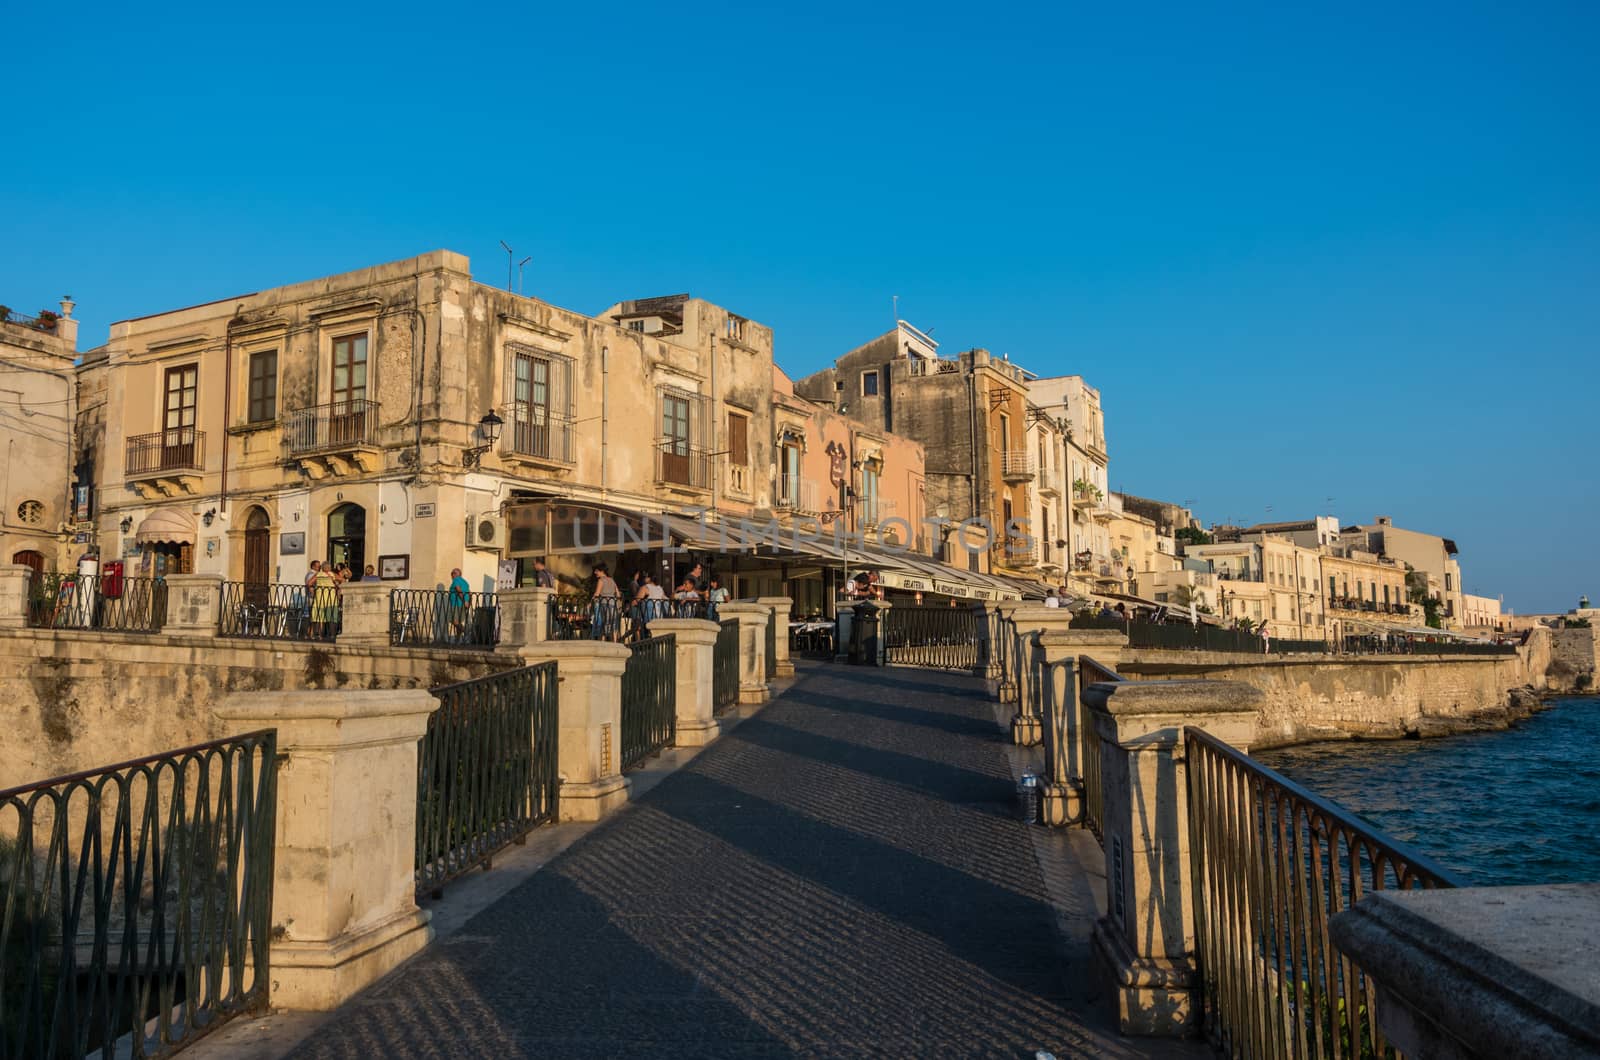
point(127, 523)
point(209, 517)
point(489, 429)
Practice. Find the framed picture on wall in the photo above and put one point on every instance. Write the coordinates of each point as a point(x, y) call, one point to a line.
point(292, 544)
point(394, 568)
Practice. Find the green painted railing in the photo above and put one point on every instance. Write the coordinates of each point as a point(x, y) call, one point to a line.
point(443, 618)
point(947, 638)
point(136, 901)
point(725, 667)
point(1271, 863)
point(649, 699)
point(486, 771)
point(113, 603)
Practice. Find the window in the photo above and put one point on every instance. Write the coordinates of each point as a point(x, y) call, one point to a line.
point(349, 370)
point(789, 476)
point(1332, 589)
point(539, 390)
point(635, 325)
point(680, 447)
point(262, 405)
point(738, 439)
point(869, 495)
point(177, 435)
point(30, 513)
point(869, 384)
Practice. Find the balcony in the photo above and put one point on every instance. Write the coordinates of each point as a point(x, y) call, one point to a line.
point(796, 494)
point(1016, 467)
point(1015, 552)
point(873, 513)
point(1085, 495)
point(167, 463)
point(338, 439)
point(682, 468)
point(538, 439)
point(1048, 481)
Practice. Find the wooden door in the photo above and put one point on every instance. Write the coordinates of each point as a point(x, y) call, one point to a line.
point(675, 439)
point(257, 557)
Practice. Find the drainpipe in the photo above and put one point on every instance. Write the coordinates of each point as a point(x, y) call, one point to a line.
point(605, 368)
point(972, 434)
point(712, 447)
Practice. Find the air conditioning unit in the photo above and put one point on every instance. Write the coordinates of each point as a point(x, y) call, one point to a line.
point(486, 531)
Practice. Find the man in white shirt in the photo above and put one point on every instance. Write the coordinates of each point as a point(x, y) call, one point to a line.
point(1051, 599)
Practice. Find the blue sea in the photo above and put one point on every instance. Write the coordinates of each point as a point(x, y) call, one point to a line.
point(1514, 807)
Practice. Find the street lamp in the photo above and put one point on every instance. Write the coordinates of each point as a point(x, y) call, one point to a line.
point(489, 429)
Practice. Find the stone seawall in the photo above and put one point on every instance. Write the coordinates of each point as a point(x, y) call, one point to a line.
point(72, 700)
point(1319, 697)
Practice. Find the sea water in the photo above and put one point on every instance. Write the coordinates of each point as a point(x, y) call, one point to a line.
point(1514, 807)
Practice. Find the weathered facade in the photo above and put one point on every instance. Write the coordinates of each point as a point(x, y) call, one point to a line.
point(351, 419)
point(37, 403)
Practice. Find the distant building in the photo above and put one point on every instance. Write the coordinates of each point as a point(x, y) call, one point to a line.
point(1433, 556)
point(38, 402)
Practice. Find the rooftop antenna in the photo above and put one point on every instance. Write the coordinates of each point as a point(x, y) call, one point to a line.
point(896, 309)
point(511, 270)
point(520, 264)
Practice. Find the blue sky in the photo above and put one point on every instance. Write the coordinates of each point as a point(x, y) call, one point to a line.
point(1344, 253)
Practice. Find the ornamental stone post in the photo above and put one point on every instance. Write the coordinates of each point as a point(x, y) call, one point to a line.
point(752, 619)
point(1063, 716)
point(194, 604)
point(364, 613)
point(14, 581)
point(589, 750)
point(1027, 725)
point(696, 639)
point(344, 910)
point(1005, 649)
point(782, 607)
point(1144, 945)
point(524, 616)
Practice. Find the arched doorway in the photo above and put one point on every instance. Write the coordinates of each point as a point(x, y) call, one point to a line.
point(347, 536)
point(31, 559)
point(258, 546)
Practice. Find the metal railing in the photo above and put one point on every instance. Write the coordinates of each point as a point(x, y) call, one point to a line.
point(573, 617)
point(1271, 863)
point(541, 435)
point(942, 638)
point(277, 611)
point(177, 449)
point(335, 426)
point(443, 618)
point(681, 465)
point(1047, 479)
point(487, 771)
point(113, 603)
point(649, 699)
point(1089, 673)
point(1180, 636)
point(796, 494)
point(136, 901)
point(45, 324)
point(1014, 464)
point(725, 667)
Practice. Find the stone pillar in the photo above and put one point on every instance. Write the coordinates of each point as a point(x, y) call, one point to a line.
point(14, 580)
point(343, 906)
point(590, 740)
point(1063, 716)
point(696, 640)
point(364, 614)
point(752, 619)
point(1027, 725)
point(194, 604)
point(524, 616)
point(782, 607)
point(1144, 945)
point(1469, 972)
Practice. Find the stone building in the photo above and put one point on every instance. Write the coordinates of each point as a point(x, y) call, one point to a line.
point(971, 414)
point(353, 419)
point(1091, 507)
point(1480, 614)
point(38, 510)
point(1365, 593)
point(1432, 556)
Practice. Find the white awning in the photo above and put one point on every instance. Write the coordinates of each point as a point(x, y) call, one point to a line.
point(173, 526)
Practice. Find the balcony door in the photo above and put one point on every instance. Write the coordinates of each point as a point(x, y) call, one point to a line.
point(530, 410)
point(675, 438)
point(177, 429)
point(347, 417)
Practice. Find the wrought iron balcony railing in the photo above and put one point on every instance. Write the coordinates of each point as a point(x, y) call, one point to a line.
point(678, 464)
point(796, 494)
point(177, 449)
point(339, 425)
point(1016, 466)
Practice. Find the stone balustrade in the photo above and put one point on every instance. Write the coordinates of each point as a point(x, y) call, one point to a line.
point(1063, 715)
point(590, 728)
point(752, 619)
point(14, 595)
point(696, 638)
point(781, 607)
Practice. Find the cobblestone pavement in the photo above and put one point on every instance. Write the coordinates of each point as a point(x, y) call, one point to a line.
point(839, 875)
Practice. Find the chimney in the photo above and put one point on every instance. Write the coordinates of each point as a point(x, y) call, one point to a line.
point(66, 327)
point(1384, 520)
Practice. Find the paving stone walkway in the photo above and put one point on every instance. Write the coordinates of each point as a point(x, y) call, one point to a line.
point(840, 875)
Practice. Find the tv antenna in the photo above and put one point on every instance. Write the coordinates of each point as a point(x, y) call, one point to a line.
point(511, 269)
point(520, 265)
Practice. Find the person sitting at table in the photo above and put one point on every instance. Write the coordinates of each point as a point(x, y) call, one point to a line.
point(686, 597)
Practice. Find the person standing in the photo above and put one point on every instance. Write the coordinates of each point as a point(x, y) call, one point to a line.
point(716, 595)
point(1266, 639)
point(542, 578)
point(459, 596)
point(324, 593)
point(607, 598)
point(1051, 599)
point(370, 575)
